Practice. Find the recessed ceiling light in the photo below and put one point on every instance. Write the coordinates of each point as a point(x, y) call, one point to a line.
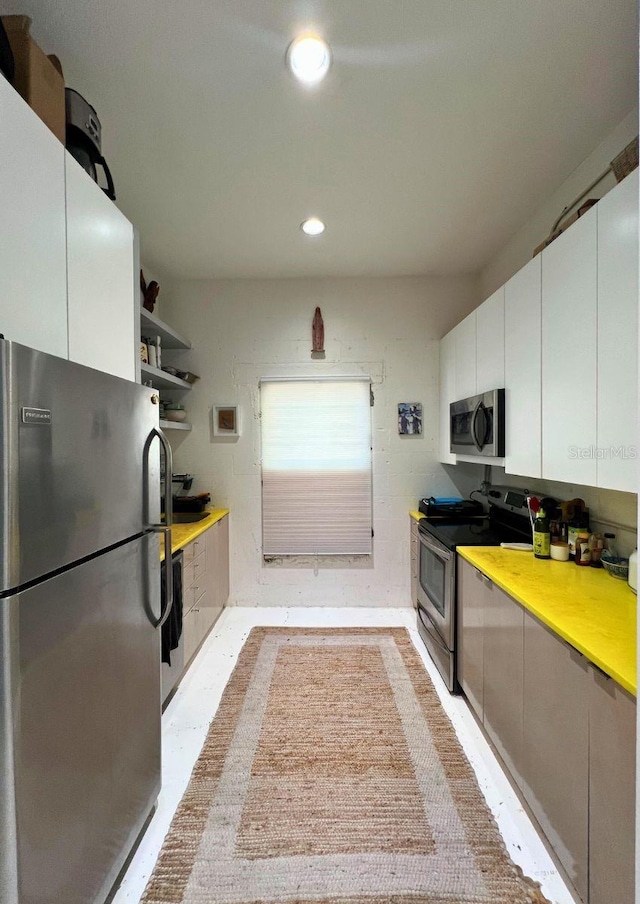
point(312, 226)
point(309, 59)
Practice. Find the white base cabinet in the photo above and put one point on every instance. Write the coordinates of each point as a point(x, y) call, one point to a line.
point(564, 730)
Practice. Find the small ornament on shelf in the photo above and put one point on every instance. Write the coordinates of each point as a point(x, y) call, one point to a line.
point(149, 293)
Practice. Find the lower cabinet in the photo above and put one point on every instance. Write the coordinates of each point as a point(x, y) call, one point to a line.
point(502, 674)
point(612, 775)
point(556, 746)
point(470, 635)
point(414, 550)
point(564, 730)
point(205, 590)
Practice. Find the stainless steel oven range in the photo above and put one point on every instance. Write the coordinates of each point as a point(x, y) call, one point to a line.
point(440, 534)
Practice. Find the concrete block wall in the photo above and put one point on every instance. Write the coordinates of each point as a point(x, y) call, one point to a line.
point(388, 328)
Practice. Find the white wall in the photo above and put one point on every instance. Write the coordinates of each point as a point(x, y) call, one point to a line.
point(519, 249)
point(389, 328)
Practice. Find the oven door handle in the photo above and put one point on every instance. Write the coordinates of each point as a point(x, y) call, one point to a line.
point(432, 630)
point(443, 554)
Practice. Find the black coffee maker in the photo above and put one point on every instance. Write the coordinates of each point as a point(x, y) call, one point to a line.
point(84, 138)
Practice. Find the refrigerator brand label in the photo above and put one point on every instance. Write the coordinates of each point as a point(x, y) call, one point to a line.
point(36, 416)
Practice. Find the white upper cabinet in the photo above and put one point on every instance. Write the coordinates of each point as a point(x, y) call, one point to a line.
point(523, 371)
point(100, 260)
point(569, 354)
point(490, 343)
point(33, 285)
point(617, 431)
point(465, 341)
point(447, 394)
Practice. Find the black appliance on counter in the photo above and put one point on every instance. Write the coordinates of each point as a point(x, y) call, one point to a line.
point(84, 138)
point(445, 527)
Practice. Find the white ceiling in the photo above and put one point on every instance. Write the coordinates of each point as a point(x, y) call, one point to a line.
point(441, 127)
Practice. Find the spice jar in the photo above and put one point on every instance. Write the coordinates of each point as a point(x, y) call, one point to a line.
point(582, 553)
point(596, 545)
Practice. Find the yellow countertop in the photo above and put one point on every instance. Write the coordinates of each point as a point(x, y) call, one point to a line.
point(182, 534)
point(416, 515)
point(592, 611)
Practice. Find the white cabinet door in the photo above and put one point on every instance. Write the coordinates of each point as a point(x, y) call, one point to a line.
point(33, 285)
point(617, 439)
point(447, 394)
point(490, 343)
point(523, 371)
point(465, 340)
point(569, 329)
point(102, 306)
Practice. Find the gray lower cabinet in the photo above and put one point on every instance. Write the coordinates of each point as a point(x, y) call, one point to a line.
point(564, 730)
point(414, 552)
point(555, 758)
point(470, 634)
point(612, 746)
point(503, 668)
point(205, 591)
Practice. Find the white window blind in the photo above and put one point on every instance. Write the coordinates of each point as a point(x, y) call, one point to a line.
point(316, 467)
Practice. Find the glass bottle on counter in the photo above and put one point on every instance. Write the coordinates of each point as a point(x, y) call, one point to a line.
point(541, 536)
point(579, 523)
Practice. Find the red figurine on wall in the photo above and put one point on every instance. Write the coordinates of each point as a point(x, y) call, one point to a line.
point(317, 332)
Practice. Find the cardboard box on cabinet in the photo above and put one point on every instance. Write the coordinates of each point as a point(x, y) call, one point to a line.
point(38, 77)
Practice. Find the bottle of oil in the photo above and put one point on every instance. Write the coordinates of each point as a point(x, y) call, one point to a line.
point(541, 536)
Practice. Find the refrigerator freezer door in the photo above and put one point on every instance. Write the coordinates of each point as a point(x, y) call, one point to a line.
point(80, 725)
point(71, 450)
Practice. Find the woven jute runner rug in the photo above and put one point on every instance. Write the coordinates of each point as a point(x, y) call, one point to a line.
point(332, 775)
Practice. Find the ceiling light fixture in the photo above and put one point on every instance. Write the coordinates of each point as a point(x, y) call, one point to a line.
point(312, 226)
point(309, 58)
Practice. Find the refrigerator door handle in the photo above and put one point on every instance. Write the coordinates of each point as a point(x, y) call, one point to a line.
point(168, 514)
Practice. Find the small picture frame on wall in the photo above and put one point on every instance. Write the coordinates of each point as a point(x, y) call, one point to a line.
point(410, 418)
point(226, 421)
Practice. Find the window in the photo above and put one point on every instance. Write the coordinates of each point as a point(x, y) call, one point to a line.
point(316, 466)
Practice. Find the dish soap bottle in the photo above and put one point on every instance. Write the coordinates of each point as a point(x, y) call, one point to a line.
point(541, 536)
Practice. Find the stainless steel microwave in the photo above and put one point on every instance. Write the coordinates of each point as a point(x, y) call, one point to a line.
point(477, 425)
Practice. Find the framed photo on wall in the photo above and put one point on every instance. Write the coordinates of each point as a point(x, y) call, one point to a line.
point(226, 421)
point(410, 418)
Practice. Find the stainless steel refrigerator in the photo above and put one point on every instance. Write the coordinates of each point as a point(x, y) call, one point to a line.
point(79, 625)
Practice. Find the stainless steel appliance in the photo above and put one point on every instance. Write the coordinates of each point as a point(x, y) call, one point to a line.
point(79, 617)
point(439, 535)
point(477, 424)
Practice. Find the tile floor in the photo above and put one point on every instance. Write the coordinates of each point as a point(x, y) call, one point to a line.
point(187, 718)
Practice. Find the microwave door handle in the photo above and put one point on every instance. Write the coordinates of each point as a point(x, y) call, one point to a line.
point(476, 411)
point(479, 443)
